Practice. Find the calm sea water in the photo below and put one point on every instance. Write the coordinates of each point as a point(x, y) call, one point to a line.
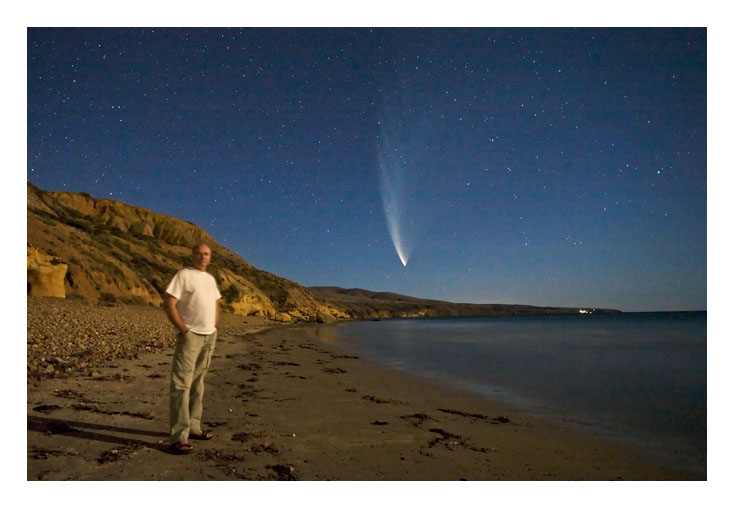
point(633, 377)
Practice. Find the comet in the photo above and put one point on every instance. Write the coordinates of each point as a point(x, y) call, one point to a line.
point(391, 196)
point(404, 156)
point(393, 179)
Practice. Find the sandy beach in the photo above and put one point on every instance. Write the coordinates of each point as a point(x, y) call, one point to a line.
point(285, 404)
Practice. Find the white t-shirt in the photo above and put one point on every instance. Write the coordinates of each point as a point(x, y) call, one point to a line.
point(197, 293)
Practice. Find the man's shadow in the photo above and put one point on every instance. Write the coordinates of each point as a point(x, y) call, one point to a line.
point(84, 431)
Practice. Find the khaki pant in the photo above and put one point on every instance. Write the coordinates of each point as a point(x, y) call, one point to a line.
point(191, 361)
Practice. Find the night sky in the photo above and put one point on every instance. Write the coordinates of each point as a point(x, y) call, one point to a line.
point(538, 166)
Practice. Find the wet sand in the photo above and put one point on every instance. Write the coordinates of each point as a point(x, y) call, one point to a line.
point(285, 404)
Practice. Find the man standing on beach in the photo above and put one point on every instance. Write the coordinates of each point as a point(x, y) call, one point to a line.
point(191, 305)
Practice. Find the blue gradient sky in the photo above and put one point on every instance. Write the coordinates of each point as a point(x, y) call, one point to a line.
point(540, 166)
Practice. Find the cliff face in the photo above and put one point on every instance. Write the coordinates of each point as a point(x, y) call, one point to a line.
point(45, 276)
point(117, 252)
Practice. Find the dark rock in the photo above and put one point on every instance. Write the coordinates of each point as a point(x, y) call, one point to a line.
point(324, 318)
point(285, 472)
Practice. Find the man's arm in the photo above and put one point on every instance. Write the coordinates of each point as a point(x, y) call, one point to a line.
point(217, 313)
point(170, 305)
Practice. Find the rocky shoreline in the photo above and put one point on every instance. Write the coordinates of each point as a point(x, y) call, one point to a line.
point(70, 337)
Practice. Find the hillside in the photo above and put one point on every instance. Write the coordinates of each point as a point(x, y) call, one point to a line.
point(361, 303)
point(112, 251)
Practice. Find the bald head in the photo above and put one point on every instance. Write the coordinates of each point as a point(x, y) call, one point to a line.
point(201, 256)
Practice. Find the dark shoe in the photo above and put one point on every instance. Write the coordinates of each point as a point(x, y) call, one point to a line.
point(180, 448)
point(204, 435)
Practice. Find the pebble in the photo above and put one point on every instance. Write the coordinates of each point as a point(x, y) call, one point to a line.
point(67, 337)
